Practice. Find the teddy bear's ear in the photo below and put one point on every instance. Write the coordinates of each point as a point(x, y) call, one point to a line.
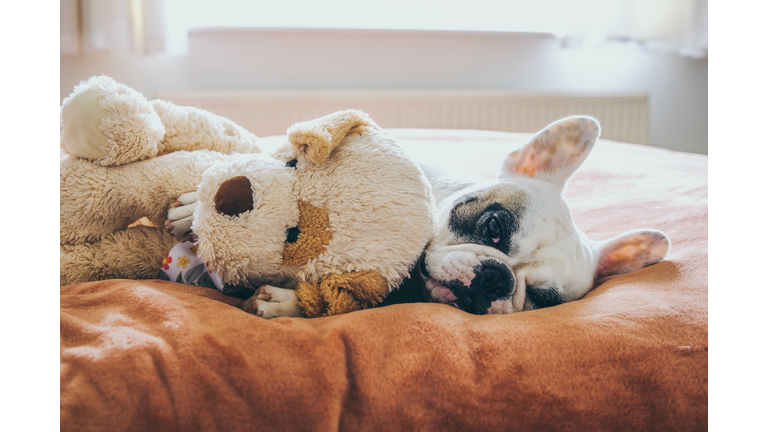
point(318, 138)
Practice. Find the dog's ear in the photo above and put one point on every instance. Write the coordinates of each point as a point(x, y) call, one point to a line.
point(629, 252)
point(555, 152)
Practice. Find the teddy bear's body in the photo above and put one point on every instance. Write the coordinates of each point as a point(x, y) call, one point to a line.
point(338, 211)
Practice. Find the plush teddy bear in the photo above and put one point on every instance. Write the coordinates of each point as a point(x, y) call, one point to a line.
point(339, 214)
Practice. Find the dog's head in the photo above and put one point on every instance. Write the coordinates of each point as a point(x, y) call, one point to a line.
point(511, 245)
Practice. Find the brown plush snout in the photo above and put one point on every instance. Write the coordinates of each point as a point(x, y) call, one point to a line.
point(234, 196)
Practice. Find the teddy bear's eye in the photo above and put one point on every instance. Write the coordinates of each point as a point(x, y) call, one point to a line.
point(293, 234)
point(292, 163)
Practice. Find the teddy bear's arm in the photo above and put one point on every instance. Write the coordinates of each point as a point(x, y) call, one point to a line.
point(112, 124)
point(335, 294)
point(273, 302)
point(134, 253)
point(189, 128)
point(180, 216)
point(97, 200)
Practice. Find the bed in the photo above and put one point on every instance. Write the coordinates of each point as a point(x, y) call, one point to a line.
point(631, 355)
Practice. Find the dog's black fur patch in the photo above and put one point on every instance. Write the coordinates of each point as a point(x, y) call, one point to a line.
point(469, 216)
point(541, 297)
point(411, 290)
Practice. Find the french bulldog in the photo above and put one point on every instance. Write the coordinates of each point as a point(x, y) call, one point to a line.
point(510, 244)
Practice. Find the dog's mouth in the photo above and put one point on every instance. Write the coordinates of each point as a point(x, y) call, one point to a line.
point(453, 293)
point(478, 298)
point(424, 271)
point(436, 290)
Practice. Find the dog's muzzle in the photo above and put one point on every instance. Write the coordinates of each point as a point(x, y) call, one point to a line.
point(493, 281)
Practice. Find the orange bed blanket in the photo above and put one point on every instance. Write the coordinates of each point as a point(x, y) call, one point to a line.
point(631, 355)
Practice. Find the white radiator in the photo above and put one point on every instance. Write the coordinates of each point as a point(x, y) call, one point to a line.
point(623, 117)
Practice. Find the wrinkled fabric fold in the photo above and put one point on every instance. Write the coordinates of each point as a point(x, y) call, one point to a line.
point(631, 355)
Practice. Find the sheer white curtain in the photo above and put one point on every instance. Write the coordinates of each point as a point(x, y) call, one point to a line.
point(665, 25)
point(152, 26)
point(681, 25)
point(92, 26)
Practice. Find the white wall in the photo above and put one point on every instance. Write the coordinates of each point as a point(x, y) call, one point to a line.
point(317, 59)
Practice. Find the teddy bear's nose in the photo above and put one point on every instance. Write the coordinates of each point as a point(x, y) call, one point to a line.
point(234, 196)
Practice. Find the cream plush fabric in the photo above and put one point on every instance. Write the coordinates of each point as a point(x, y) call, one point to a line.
point(112, 124)
point(339, 208)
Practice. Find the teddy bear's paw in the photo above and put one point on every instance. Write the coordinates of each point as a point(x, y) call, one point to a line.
point(273, 302)
point(109, 123)
point(180, 216)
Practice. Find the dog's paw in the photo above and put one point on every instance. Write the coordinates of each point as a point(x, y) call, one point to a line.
point(273, 302)
point(179, 222)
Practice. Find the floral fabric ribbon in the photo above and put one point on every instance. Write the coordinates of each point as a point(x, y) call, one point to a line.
point(184, 266)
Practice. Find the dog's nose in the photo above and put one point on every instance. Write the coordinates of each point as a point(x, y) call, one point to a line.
point(493, 280)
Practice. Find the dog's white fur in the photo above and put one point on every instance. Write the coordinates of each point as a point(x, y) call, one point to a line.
point(545, 258)
point(547, 250)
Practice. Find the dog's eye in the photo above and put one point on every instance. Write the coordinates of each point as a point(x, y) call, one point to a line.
point(494, 229)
